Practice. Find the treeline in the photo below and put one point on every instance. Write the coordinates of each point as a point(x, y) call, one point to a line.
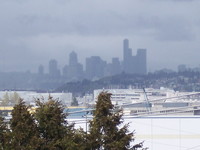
point(47, 128)
point(179, 81)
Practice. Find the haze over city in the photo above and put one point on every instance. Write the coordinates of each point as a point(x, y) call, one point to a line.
point(33, 32)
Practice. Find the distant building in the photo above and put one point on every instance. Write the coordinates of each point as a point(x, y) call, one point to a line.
point(73, 71)
point(129, 96)
point(182, 68)
point(73, 60)
point(65, 72)
point(141, 61)
point(95, 67)
point(127, 57)
point(41, 70)
point(54, 72)
point(134, 64)
point(115, 66)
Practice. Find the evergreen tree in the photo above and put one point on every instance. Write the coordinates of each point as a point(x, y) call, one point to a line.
point(76, 140)
point(54, 130)
point(4, 138)
point(104, 127)
point(52, 125)
point(24, 133)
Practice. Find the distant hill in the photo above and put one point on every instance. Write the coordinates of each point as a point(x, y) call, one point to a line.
point(185, 81)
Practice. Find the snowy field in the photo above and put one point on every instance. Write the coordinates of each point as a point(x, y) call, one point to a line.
point(162, 133)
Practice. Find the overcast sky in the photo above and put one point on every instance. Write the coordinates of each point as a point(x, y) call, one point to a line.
point(34, 31)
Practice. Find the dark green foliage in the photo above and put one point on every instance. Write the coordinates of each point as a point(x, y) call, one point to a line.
point(4, 138)
point(54, 130)
point(104, 128)
point(75, 140)
point(24, 133)
point(48, 129)
point(51, 122)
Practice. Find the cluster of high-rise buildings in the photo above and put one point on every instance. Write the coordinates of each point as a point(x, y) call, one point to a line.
point(134, 64)
point(96, 68)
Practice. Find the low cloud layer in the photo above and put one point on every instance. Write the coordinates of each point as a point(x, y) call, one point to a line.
point(33, 32)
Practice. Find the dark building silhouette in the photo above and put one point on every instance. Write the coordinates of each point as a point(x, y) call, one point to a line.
point(127, 57)
point(73, 60)
point(115, 66)
point(134, 64)
point(73, 71)
point(54, 72)
point(95, 67)
point(141, 61)
point(182, 68)
point(41, 70)
point(65, 72)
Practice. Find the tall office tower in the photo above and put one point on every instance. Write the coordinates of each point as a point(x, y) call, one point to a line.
point(41, 70)
point(73, 60)
point(65, 72)
point(134, 64)
point(95, 67)
point(115, 66)
point(54, 72)
point(141, 61)
point(127, 57)
point(74, 71)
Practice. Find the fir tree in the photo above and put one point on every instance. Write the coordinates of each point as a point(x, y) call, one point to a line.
point(52, 125)
point(4, 132)
point(76, 140)
point(24, 133)
point(104, 127)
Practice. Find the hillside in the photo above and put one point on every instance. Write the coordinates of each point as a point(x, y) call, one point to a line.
point(185, 81)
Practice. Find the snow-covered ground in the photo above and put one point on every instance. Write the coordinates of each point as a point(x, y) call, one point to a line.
point(162, 133)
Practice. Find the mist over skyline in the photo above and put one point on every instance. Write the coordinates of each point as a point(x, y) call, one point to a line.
point(33, 32)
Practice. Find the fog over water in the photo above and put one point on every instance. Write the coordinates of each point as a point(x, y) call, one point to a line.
point(33, 32)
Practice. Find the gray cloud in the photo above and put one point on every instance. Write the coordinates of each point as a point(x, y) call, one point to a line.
point(175, 29)
point(47, 29)
point(177, 0)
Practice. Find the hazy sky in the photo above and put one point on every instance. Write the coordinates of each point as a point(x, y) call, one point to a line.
point(34, 31)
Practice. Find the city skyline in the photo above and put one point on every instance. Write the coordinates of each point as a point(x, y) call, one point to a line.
point(132, 53)
point(44, 68)
point(33, 32)
point(96, 67)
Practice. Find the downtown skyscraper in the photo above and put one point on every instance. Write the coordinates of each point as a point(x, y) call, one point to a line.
point(134, 64)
